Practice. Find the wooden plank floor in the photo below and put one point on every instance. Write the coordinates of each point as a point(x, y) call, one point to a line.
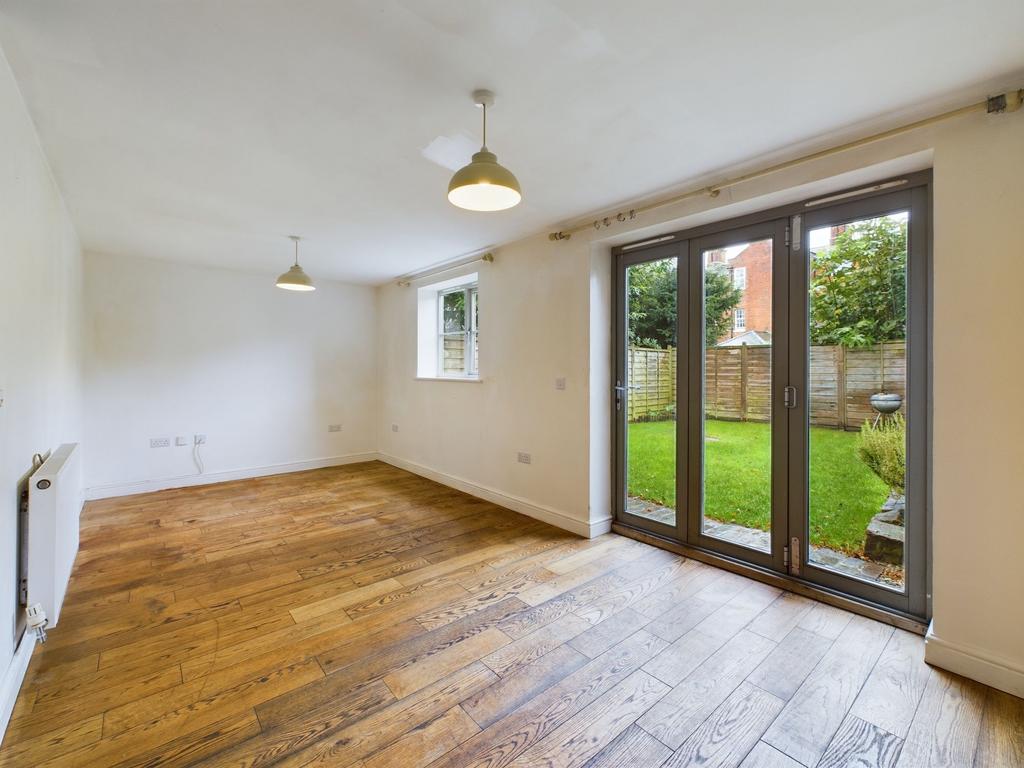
point(363, 616)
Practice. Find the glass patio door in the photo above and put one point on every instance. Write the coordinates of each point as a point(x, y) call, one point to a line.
point(737, 376)
point(649, 385)
point(771, 391)
point(857, 454)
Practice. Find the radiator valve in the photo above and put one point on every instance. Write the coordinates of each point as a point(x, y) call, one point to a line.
point(37, 621)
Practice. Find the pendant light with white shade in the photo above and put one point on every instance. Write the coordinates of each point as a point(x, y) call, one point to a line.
point(484, 185)
point(295, 279)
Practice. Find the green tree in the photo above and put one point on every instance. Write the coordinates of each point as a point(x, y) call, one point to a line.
point(859, 285)
point(653, 306)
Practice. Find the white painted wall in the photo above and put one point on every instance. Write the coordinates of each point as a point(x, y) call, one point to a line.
point(544, 313)
point(40, 321)
point(533, 329)
point(177, 350)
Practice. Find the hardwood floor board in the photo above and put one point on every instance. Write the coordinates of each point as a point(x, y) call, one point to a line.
point(680, 713)
point(383, 727)
point(560, 604)
point(633, 748)
point(786, 668)
point(892, 693)
point(621, 598)
point(776, 621)
point(261, 622)
point(519, 653)
point(345, 599)
point(947, 725)
point(858, 742)
point(52, 743)
point(387, 656)
point(457, 609)
point(1001, 737)
point(670, 595)
point(766, 756)
point(322, 705)
point(197, 747)
point(501, 743)
point(725, 738)
point(719, 589)
point(826, 620)
point(190, 719)
point(592, 728)
point(86, 702)
point(421, 672)
point(814, 713)
point(675, 663)
point(426, 742)
point(315, 636)
point(506, 695)
point(595, 640)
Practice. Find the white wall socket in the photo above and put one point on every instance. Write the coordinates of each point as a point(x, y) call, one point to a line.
point(181, 440)
point(524, 458)
point(159, 442)
point(394, 427)
point(334, 427)
point(560, 382)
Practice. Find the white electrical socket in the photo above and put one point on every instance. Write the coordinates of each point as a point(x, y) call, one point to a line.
point(199, 439)
point(159, 442)
point(524, 458)
point(394, 427)
point(560, 382)
point(181, 440)
point(334, 427)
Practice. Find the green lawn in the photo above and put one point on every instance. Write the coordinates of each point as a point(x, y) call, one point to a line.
point(845, 494)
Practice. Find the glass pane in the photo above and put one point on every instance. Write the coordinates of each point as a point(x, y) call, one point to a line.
point(454, 311)
point(737, 339)
point(857, 398)
point(650, 397)
point(453, 354)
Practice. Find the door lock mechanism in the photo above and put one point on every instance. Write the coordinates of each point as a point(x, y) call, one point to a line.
point(789, 397)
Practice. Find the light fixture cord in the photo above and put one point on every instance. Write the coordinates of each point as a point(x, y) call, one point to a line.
point(296, 253)
point(485, 125)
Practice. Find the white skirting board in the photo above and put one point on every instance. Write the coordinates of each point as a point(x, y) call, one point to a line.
point(208, 478)
point(12, 679)
point(516, 504)
point(974, 663)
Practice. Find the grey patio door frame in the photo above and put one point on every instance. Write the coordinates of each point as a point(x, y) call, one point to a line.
point(620, 395)
point(774, 230)
point(789, 225)
point(913, 600)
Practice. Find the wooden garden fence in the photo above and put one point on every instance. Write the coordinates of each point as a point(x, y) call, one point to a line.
point(737, 382)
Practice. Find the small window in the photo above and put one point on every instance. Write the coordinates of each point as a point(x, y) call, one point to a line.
point(739, 278)
point(739, 319)
point(458, 323)
point(447, 323)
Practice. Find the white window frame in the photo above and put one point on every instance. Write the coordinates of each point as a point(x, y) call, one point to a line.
point(739, 319)
point(469, 334)
point(739, 278)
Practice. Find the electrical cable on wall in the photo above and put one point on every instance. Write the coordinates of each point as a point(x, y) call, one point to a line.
point(197, 456)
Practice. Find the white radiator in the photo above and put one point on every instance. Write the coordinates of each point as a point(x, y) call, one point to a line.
point(54, 506)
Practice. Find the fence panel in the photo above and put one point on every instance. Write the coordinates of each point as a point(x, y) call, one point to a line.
point(737, 382)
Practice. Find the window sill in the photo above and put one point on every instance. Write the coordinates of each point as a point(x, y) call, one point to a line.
point(460, 379)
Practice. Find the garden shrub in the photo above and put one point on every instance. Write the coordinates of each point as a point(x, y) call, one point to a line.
point(883, 447)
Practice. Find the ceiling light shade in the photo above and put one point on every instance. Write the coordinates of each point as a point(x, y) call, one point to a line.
point(295, 279)
point(484, 184)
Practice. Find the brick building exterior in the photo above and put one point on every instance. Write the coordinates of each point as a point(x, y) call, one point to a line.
point(751, 271)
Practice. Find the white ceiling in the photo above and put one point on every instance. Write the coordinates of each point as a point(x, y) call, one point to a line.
point(206, 131)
